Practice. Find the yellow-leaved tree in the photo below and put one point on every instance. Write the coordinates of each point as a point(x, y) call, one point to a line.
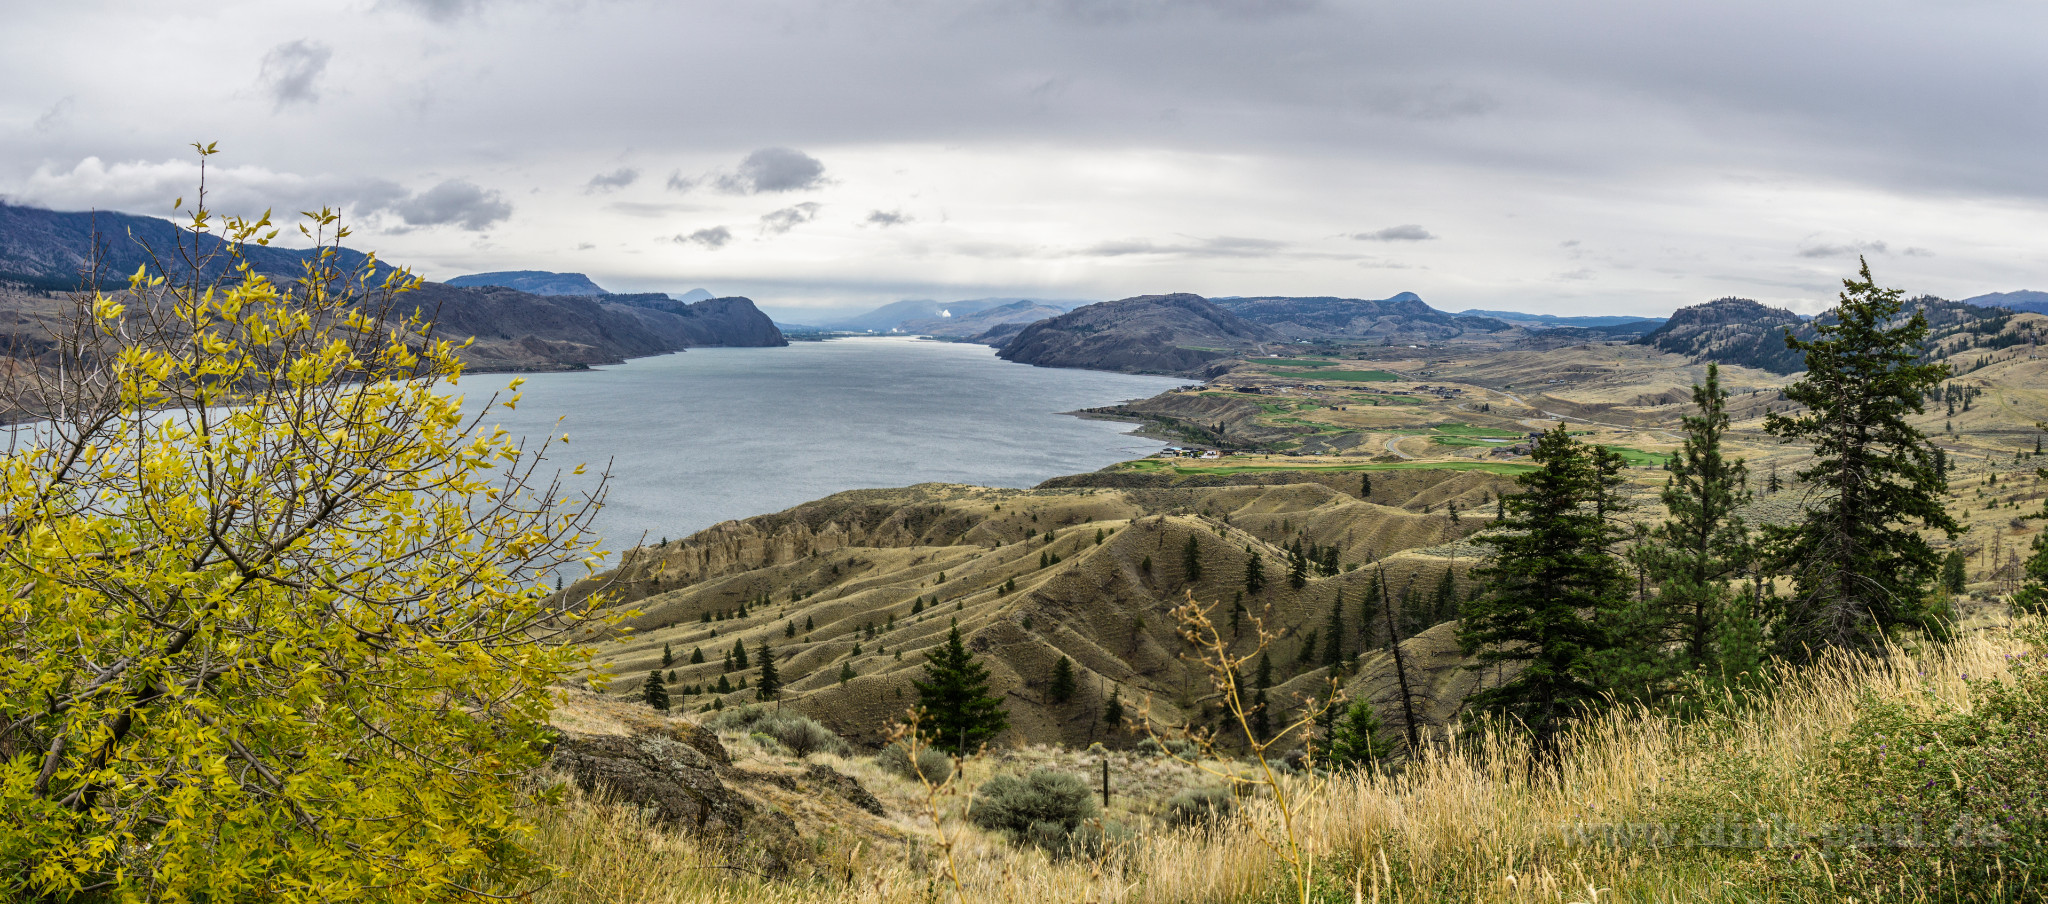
point(272, 625)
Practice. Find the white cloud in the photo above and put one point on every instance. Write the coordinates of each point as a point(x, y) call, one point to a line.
point(290, 71)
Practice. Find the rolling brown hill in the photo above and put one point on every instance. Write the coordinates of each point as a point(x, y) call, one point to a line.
point(1157, 334)
point(872, 579)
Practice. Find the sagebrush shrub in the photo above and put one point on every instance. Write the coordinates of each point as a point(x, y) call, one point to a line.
point(1045, 808)
point(934, 766)
point(1200, 807)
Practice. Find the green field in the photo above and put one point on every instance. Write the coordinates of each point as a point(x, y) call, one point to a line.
point(1356, 376)
point(1469, 430)
point(1153, 465)
point(1466, 441)
point(1639, 457)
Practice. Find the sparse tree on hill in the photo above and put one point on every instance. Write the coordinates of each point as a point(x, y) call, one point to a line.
point(1364, 484)
point(769, 687)
point(1254, 574)
point(959, 714)
point(1552, 589)
point(724, 685)
point(1191, 560)
point(1113, 711)
point(697, 656)
point(668, 656)
point(1262, 719)
point(1333, 633)
point(1297, 566)
point(1062, 687)
point(655, 692)
point(739, 655)
point(277, 618)
point(846, 672)
point(1355, 740)
point(1859, 562)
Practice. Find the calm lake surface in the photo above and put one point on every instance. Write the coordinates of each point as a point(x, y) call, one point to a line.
point(713, 434)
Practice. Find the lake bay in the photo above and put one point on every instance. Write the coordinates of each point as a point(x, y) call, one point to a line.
point(714, 434)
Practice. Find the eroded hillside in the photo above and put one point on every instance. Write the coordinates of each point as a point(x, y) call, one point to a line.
point(851, 590)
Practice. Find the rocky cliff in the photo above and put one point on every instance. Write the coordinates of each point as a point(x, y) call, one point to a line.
point(1159, 334)
point(1731, 331)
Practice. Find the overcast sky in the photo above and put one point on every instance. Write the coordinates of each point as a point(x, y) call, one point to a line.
point(1565, 157)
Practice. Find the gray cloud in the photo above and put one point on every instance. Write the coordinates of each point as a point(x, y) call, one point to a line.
point(886, 218)
point(1407, 232)
point(454, 202)
point(290, 70)
point(438, 10)
point(774, 170)
point(57, 113)
point(612, 181)
point(714, 238)
point(1843, 250)
point(1218, 246)
point(788, 218)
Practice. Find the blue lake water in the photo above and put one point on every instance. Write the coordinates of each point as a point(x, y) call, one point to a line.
point(713, 434)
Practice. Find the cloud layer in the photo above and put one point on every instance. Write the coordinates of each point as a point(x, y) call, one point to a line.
point(1087, 148)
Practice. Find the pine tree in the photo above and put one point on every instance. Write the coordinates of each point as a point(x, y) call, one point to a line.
point(739, 655)
point(1355, 739)
point(789, 628)
point(1113, 711)
point(1254, 574)
point(1061, 688)
point(1364, 484)
point(1297, 566)
point(1552, 587)
point(1333, 633)
point(724, 685)
point(655, 692)
point(1191, 560)
point(668, 656)
point(1858, 560)
point(697, 656)
point(1446, 602)
point(1955, 572)
point(769, 687)
point(846, 672)
point(1692, 557)
point(808, 624)
point(1262, 720)
point(917, 606)
point(958, 712)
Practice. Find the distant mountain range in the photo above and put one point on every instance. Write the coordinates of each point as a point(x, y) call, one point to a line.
point(49, 251)
point(898, 315)
point(544, 282)
point(952, 325)
point(2024, 300)
point(1401, 318)
point(1158, 334)
point(1752, 334)
point(1519, 318)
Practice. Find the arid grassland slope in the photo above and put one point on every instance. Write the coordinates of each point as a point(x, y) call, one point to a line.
point(1087, 567)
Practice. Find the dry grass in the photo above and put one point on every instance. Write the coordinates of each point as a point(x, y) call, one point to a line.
point(1467, 822)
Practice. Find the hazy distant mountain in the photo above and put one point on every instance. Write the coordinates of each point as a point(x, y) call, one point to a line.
point(894, 315)
point(967, 326)
point(1161, 334)
point(693, 295)
point(1519, 318)
point(2024, 300)
point(49, 249)
point(515, 330)
point(1402, 318)
point(538, 282)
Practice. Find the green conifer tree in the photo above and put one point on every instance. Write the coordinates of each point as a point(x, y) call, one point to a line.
point(1552, 588)
point(1858, 558)
point(1262, 718)
point(724, 685)
point(769, 687)
point(655, 692)
point(1113, 711)
point(739, 655)
point(697, 656)
point(1191, 560)
point(1062, 686)
point(1254, 574)
point(1333, 633)
point(1355, 739)
point(846, 672)
point(959, 714)
point(668, 656)
point(1297, 566)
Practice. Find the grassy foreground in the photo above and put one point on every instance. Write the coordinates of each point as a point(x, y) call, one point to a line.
point(1755, 803)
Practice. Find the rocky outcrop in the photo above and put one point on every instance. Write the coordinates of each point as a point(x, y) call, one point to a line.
point(676, 782)
point(1159, 334)
point(846, 786)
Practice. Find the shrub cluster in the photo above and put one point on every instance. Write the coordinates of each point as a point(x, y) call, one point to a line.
point(1046, 809)
point(799, 734)
point(1200, 807)
point(1963, 793)
point(934, 766)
